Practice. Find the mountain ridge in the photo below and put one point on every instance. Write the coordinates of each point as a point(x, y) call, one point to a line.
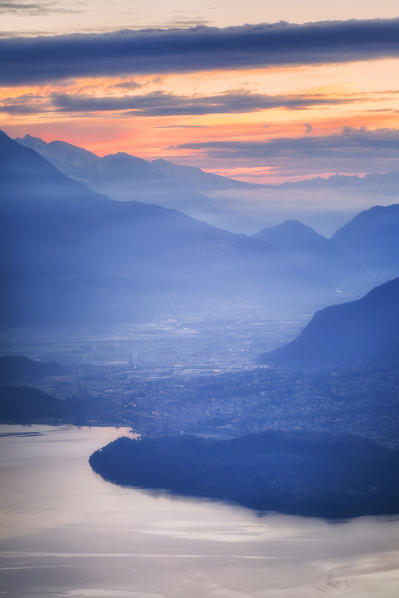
point(159, 169)
point(309, 249)
point(70, 253)
point(373, 238)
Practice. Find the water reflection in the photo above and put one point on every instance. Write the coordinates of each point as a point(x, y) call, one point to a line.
point(65, 531)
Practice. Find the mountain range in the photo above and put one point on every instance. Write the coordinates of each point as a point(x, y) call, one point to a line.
point(81, 164)
point(366, 249)
point(125, 177)
point(319, 255)
point(71, 254)
point(122, 168)
point(221, 201)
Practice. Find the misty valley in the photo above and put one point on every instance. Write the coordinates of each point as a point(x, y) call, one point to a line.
point(199, 305)
point(258, 369)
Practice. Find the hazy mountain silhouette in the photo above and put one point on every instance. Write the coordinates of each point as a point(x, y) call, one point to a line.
point(293, 235)
point(372, 238)
point(218, 200)
point(87, 167)
point(366, 330)
point(204, 181)
point(124, 177)
point(25, 174)
point(310, 250)
point(69, 253)
point(79, 163)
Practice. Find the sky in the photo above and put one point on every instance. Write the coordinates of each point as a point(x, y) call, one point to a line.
point(261, 91)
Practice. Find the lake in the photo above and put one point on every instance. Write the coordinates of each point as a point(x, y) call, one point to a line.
point(64, 531)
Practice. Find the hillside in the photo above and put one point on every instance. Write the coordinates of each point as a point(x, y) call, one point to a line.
point(372, 238)
point(296, 472)
point(26, 405)
point(313, 252)
point(366, 330)
point(292, 236)
point(16, 368)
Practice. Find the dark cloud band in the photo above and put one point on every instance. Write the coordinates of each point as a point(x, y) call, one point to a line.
point(40, 7)
point(352, 150)
point(28, 60)
point(350, 142)
point(162, 104)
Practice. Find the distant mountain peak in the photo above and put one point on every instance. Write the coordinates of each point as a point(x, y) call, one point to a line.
point(56, 148)
point(125, 177)
point(32, 138)
point(125, 158)
point(122, 155)
point(295, 225)
point(289, 232)
point(72, 255)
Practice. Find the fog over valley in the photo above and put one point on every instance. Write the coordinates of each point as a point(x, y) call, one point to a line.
point(199, 308)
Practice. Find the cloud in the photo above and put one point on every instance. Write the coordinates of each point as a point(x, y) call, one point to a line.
point(25, 104)
point(40, 7)
point(159, 103)
point(164, 104)
point(349, 140)
point(33, 8)
point(351, 150)
point(187, 22)
point(180, 127)
point(130, 85)
point(39, 59)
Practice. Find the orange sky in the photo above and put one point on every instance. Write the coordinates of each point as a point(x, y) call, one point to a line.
point(368, 91)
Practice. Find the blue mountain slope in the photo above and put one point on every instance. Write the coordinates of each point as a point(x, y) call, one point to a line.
point(366, 330)
point(69, 253)
point(316, 254)
point(372, 237)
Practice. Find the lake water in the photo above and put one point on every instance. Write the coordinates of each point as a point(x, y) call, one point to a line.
point(66, 532)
